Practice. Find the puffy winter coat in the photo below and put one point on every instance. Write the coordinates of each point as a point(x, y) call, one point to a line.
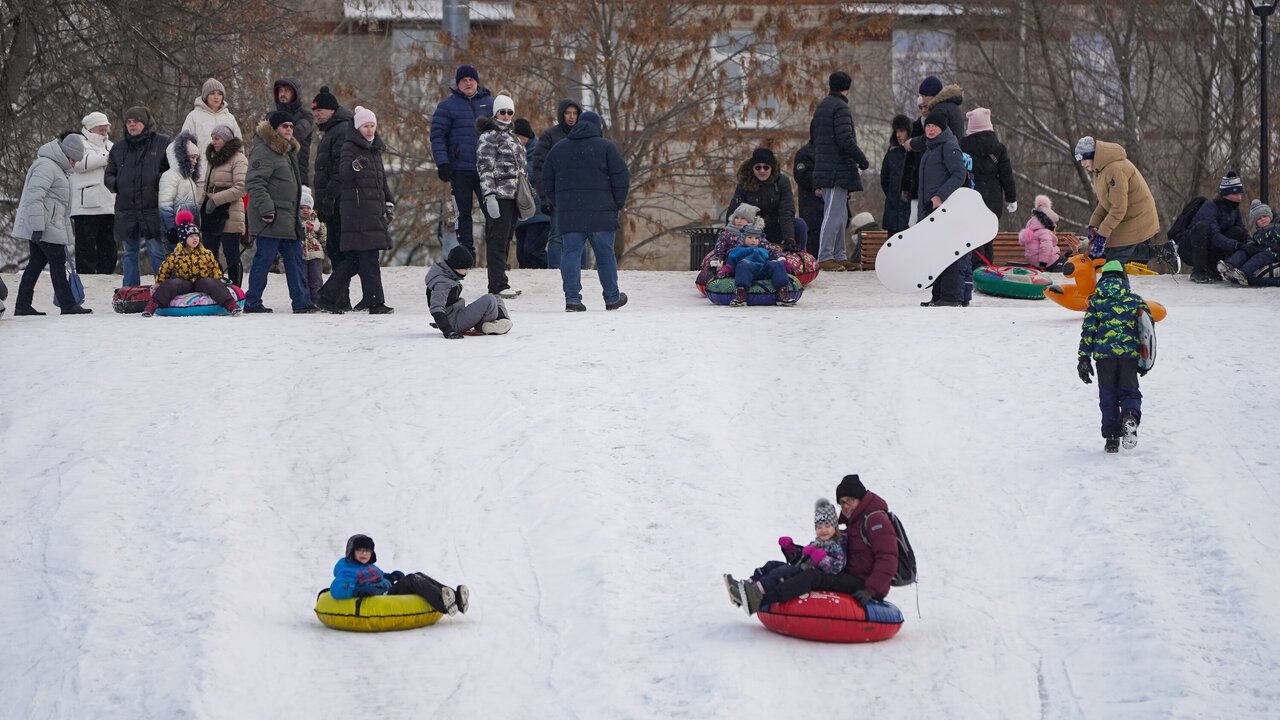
point(273, 185)
point(225, 182)
point(774, 198)
point(992, 171)
point(89, 193)
point(202, 120)
point(1126, 211)
point(1039, 243)
point(500, 159)
point(363, 193)
point(352, 579)
point(444, 290)
point(1221, 215)
point(453, 128)
point(45, 206)
point(1110, 328)
point(835, 145)
point(835, 559)
point(1267, 239)
point(587, 181)
point(328, 157)
point(304, 126)
point(727, 241)
point(189, 264)
point(874, 560)
point(182, 185)
point(134, 167)
point(549, 138)
point(941, 169)
point(314, 236)
point(897, 209)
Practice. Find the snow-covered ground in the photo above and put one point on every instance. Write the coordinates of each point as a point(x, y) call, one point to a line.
point(174, 491)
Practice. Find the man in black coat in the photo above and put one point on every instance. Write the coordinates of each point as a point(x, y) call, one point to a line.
point(810, 198)
point(763, 185)
point(567, 112)
point(835, 172)
point(332, 119)
point(133, 173)
point(897, 208)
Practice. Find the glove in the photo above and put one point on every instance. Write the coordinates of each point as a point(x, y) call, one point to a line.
point(864, 165)
point(389, 213)
point(491, 206)
point(394, 576)
point(444, 172)
point(1142, 372)
point(815, 554)
point(863, 596)
point(269, 218)
point(1012, 207)
point(1085, 369)
point(1097, 246)
point(785, 542)
point(443, 325)
point(36, 235)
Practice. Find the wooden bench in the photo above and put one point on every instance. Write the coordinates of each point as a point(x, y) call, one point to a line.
point(1006, 249)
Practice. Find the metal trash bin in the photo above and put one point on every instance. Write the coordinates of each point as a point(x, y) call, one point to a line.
point(702, 240)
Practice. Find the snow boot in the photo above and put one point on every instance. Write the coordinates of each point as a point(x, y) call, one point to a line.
point(1113, 443)
point(1129, 422)
point(1202, 276)
point(450, 600)
point(784, 297)
point(381, 310)
point(622, 300)
point(751, 596)
point(496, 327)
point(831, 266)
point(1233, 273)
point(463, 597)
point(739, 298)
point(731, 587)
point(574, 307)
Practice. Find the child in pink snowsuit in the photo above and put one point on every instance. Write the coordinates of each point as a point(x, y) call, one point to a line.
point(1038, 239)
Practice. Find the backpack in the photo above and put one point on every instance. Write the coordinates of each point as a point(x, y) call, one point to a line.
point(1180, 226)
point(906, 573)
point(968, 175)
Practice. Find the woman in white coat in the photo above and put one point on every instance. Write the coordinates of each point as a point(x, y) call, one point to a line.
point(44, 221)
point(210, 112)
point(182, 185)
point(92, 204)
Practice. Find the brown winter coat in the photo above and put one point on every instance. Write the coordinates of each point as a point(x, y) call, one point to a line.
point(225, 183)
point(1126, 212)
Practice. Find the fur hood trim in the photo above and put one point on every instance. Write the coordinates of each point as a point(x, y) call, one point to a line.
point(950, 92)
point(273, 139)
point(177, 152)
point(218, 158)
point(484, 124)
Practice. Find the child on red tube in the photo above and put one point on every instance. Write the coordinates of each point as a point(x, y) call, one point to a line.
point(826, 553)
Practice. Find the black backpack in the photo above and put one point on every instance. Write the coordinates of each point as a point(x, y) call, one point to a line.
point(906, 573)
point(1183, 221)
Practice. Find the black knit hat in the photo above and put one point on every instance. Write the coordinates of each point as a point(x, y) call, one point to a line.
point(850, 486)
point(278, 118)
point(523, 128)
point(763, 155)
point(139, 113)
point(901, 122)
point(460, 258)
point(839, 81)
point(324, 100)
point(360, 542)
point(937, 117)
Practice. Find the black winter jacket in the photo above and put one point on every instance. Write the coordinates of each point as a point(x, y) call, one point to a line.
point(364, 193)
point(133, 172)
point(941, 170)
point(773, 197)
point(328, 156)
point(548, 139)
point(948, 101)
point(586, 180)
point(835, 145)
point(992, 172)
point(911, 167)
point(897, 210)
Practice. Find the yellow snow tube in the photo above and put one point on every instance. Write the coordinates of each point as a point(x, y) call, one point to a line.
point(378, 613)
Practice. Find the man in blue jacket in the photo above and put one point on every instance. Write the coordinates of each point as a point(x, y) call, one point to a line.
point(586, 181)
point(454, 141)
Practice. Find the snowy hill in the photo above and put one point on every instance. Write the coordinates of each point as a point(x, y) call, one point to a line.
point(176, 490)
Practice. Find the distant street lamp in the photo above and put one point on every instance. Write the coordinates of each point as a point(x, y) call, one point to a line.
point(1263, 9)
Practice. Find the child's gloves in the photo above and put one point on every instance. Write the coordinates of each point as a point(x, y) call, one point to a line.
point(1012, 207)
point(815, 554)
point(863, 596)
point(786, 543)
point(1085, 369)
point(491, 206)
point(446, 329)
point(394, 576)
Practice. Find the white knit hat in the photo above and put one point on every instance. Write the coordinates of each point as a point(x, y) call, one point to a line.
point(93, 120)
point(502, 102)
point(363, 117)
point(307, 199)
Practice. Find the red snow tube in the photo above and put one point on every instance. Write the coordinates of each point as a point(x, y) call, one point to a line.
point(833, 617)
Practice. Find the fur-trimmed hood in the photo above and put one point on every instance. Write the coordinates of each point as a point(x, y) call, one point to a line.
point(218, 158)
point(953, 92)
point(747, 177)
point(275, 141)
point(177, 154)
point(484, 124)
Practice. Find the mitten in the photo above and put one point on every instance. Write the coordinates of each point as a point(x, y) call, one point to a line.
point(786, 542)
point(1097, 244)
point(394, 576)
point(1085, 369)
point(1012, 207)
point(547, 209)
point(491, 206)
point(863, 596)
point(444, 172)
point(725, 270)
point(815, 554)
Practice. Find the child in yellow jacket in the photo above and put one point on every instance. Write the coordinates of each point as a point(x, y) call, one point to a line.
point(189, 268)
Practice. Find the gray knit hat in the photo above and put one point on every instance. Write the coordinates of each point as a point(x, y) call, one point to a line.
point(1085, 148)
point(73, 146)
point(211, 86)
point(746, 212)
point(1257, 210)
point(824, 513)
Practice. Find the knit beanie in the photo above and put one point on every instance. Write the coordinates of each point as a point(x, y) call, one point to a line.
point(308, 200)
point(93, 120)
point(852, 487)
point(593, 118)
point(360, 542)
point(524, 129)
point(186, 226)
point(460, 258)
point(839, 81)
point(1085, 148)
point(278, 118)
point(465, 71)
point(752, 229)
point(324, 100)
point(764, 156)
point(930, 87)
point(746, 212)
point(73, 146)
point(139, 113)
point(1113, 266)
point(1258, 210)
point(979, 121)
point(211, 86)
point(824, 513)
point(503, 102)
point(363, 116)
point(1230, 184)
point(223, 132)
point(938, 118)
point(1043, 211)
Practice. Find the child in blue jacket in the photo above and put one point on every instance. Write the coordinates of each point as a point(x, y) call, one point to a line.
point(355, 575)
point(826, 553)
point(748, 259)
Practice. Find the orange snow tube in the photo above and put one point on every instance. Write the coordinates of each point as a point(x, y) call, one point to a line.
point(1075, 296)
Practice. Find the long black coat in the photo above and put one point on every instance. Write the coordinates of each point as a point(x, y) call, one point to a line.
point(911, 167)
point(897, 210)
point(835, 145)
point(992, 172)
point(133, 172)
point(363, 193)
point(810, 204)
point(774, 198)
point(586, 180)
point(328, 158)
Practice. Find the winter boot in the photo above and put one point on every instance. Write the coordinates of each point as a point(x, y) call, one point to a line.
point(150, 309)
point(622, 300)
point(831, 266)
point(76, 310)
point(784, 297)
point(1201, 275)
point(1113, 443)
point(496, 327)
point(450, 600)
point(751, 595)
point(574, 307)
point(1129, 422)
point(731, 587)
point(381, 310)
point(463, 597)
point(739, 298)
point(1233, 273)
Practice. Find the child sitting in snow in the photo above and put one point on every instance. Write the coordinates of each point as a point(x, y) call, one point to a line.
point(1262, 250)
point(453, 315)
point(1109, 335)
point(742, 252)
point(189, 268)
point(313, 240)
point(355, 575)
point(826, 553)
point(1038, 239)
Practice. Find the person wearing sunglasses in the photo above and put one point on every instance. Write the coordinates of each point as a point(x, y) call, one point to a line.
point(762, 184)
point(500, 162)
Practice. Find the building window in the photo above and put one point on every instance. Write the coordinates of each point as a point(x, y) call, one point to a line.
point(918, 54)
point(747, 62)
point(1096, 82)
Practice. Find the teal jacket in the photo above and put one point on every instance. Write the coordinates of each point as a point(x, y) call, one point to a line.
point(1110, 327)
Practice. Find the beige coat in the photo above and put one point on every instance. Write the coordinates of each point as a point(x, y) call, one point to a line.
point(1126, 212)
point(228, 168)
